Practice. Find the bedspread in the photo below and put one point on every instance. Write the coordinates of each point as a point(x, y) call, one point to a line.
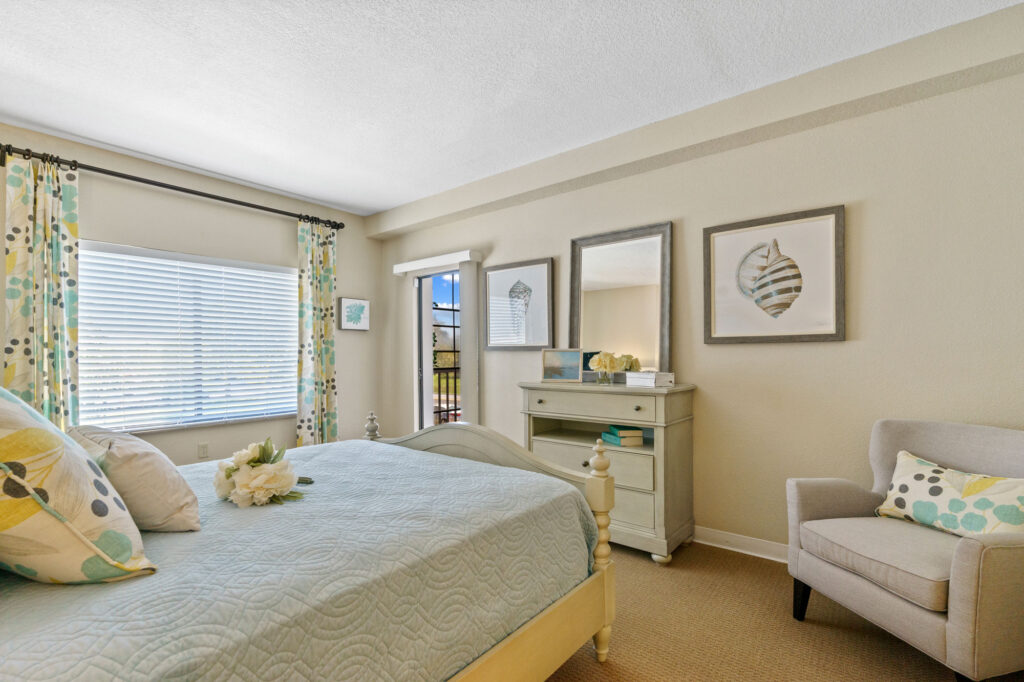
point(397, 565)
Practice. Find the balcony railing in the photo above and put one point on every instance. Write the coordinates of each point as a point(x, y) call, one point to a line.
point(446, 395)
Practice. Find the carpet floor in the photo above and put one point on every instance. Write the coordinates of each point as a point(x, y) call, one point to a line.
point(713, 614)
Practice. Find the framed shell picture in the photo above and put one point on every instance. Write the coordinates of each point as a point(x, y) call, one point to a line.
point(776, 279)
point(519, 309)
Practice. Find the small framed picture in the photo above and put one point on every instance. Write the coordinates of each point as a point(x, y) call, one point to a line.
point(562, 364)
point(776, 279)
point(354, 313)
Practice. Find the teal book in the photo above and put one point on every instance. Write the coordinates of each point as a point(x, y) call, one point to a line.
point(622, 441)
point(625, 431)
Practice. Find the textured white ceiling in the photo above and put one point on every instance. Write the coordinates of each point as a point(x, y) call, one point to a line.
point(368, 104)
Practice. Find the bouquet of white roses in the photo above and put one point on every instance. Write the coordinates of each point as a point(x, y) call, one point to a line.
point(257, 475)
point(608, 362)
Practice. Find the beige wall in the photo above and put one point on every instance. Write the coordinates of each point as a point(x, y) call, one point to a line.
point(622, 320)
point(934, 195)
point(127, 213)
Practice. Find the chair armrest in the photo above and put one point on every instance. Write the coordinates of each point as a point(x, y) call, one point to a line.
point(808, 499)
point(984, 637)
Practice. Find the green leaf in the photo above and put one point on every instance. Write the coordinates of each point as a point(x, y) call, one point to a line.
point(229, 471)
point(262, 453)
point(305, 480)
point(276, 499)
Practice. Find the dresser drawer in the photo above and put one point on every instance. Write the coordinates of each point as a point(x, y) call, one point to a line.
point(634, 508)
point(629, 469)
point(610, 406)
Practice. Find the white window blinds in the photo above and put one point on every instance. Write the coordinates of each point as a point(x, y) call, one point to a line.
point(171, 340)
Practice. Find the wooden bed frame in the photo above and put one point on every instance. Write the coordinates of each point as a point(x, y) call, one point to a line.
point(540, 646)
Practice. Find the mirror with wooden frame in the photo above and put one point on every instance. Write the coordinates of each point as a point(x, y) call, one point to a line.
point(620, 294)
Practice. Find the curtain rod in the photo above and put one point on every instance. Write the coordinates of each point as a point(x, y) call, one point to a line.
point(6, 150)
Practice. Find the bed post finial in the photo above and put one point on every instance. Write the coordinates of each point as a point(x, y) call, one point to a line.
point(371, 427)
point(600, 493)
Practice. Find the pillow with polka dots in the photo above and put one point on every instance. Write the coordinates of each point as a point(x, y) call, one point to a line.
point(156, 494)
point(61, 521)
point(953, 501)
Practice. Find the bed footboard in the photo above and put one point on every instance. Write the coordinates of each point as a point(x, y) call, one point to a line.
point(539, 647)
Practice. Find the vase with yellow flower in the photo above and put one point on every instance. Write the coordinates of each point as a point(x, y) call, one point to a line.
point(606, 363)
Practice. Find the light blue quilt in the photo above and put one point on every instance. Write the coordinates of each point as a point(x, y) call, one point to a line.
point(397, 565)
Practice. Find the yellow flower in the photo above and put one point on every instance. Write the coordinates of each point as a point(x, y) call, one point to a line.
point(608, 362)
point(603, 362)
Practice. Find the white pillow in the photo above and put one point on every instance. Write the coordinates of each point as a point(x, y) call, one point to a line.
point(156, 495)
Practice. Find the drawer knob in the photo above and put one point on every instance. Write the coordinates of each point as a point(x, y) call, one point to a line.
point(636, 408)
point(540, 401)
point(586, 463)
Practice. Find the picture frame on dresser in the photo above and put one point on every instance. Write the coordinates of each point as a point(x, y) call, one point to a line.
point(778, 279)
point(561, 365)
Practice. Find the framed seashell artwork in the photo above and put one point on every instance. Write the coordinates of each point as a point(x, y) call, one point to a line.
point(776, 279)
point(519, 305)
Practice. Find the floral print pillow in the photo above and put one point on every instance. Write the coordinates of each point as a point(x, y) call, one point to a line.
point(953, 501)
point(61, 521)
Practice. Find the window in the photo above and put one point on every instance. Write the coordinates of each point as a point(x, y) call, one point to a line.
point(171, 340)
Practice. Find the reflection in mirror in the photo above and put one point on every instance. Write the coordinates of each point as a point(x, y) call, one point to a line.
point(619, 288)
point(620, 294)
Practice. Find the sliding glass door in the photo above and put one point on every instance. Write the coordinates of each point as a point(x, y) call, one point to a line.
point(440, 349)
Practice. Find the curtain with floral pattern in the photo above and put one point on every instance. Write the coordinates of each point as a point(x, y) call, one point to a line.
point(318, 388)
point(41, 249)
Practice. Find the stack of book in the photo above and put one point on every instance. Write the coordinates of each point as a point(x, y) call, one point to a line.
point(624, 436)
point(650, 379)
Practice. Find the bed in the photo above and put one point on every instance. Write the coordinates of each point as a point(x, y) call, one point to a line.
point(409, 559)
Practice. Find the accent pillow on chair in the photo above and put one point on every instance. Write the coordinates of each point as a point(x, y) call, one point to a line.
point(61, 519)
point(157, 496)
point(953, 501)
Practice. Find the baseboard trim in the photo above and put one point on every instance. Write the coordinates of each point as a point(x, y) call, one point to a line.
point(766, 549)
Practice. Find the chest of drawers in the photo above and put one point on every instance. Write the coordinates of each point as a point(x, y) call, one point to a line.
point(653, 482)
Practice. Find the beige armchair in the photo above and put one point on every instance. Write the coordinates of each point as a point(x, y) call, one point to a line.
point(959, 600)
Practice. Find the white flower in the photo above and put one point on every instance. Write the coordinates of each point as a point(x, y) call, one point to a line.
point(608, 362)
point(243, 457)
point(256, 485)
point(221, 483)
point(240, 498)
point(603, 362)
point(626, 363)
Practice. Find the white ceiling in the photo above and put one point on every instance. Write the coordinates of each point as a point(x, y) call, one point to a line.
point(369, 104)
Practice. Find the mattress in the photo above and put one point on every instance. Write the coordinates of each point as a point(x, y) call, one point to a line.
point(397, 565)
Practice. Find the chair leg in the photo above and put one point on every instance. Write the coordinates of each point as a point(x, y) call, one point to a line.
point(801, 595)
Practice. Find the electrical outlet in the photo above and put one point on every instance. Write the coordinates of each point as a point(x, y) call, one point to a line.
point(204, 451)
